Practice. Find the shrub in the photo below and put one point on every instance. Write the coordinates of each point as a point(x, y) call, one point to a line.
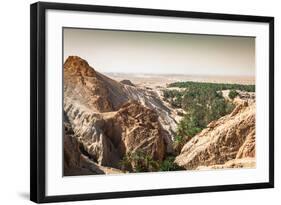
point(138, 161)
point(169, 165)
point(232, 94)
point(179, 142)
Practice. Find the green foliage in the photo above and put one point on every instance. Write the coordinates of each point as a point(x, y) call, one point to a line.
point(232, 94)
point(138, 161)
point(215, 86)
point(202, 103)
point(169, 165)
point(178, 143)
point(178, 138)
point(125, 163)
point(174, 97)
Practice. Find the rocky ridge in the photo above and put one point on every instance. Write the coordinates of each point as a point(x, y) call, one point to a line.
point(110, 119)
point(76, 161)
point(226, 142)
point(88, 88)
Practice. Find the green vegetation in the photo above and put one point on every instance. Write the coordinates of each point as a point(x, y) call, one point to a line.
point(174, 97)
point(140, 161)
point(203, 103)
point(232, 94)
point(169, 165)
point(215, 86)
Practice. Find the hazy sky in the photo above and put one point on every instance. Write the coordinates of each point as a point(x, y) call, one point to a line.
point(146, 52)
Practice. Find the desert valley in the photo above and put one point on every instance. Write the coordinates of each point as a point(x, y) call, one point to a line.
point(122, 123)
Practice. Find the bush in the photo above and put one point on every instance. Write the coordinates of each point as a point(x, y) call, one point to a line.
point(169, 165)
point(178, 143)
point(232, 94)
point(138, 161)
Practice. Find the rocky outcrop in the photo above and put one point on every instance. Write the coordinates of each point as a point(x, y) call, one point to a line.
point(75, 160)
point(83, 84)
point(248, 162)
point(137, 128)
point(107, 137)
point(109, 119)
point(248, 149)
point(127, 82)
point(224, 143)
point(85, 87)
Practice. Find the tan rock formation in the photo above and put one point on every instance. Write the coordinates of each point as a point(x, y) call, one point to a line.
point(137, 128)
point(127, 82)
point(86, 90)
point(109, 119)
point(75, 162)
point(83, 84)
point(248, 162)
point(248, 149)
point(107, 137)
point(229, 138)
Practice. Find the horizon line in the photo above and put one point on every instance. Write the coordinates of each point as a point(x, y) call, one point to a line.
point(188, 74)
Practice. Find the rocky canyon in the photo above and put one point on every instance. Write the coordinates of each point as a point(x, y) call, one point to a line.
point(116, 126)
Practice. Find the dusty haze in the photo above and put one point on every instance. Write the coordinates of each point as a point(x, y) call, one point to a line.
point(162, 53)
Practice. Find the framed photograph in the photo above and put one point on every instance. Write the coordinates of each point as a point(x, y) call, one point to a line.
point(129, 102)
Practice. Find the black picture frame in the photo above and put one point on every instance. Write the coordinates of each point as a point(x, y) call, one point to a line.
point(38, 100)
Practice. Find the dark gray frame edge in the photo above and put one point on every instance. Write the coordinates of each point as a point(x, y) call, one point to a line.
point(37, 101)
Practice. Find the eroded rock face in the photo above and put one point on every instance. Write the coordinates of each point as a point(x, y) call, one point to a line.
point(110, 119)
point(83, 84)
point(229, 138)
point(136, 128)
point(248, 149)
point(88, 94)
point(107, 137)
point(87, 127)
point(248, 162)
point(75, 161)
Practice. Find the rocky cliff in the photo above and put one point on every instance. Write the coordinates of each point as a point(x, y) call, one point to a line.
point(85, 87)
point(110, 119)
point(225, 143)
point(76, 160)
